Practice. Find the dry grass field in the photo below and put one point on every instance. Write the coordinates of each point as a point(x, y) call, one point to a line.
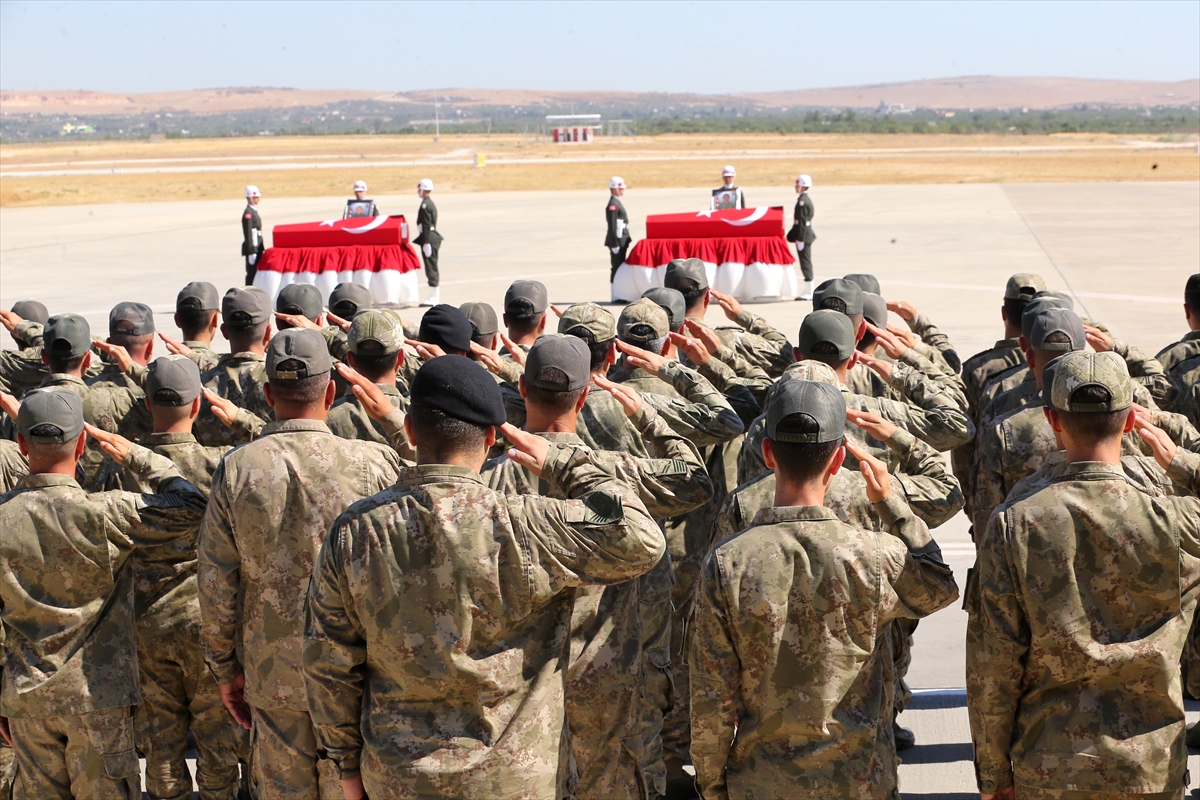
point(76, 172)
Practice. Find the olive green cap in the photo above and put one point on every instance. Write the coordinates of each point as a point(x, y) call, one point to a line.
point(130, 319)
point(1063, 297)
point(1056, 320)
point(347, 299)
point(820, 402)
point(866, 281)
point(198, 296)
point(297, 353)
point(60, 408)
point(829, 326)
point(245, 308)
point(558, 363)
point(1048, 371)
point(807, 370)
point(875, 309)
point(643, 321)
point(1023, 286)
point(686, 274)
point(482, 318)
point(525, 299)
point(1077, 370)
point(588, 321)
point(1035, 307)
point(172, 381)
point(374, 333)
point(66, 336)
point(299, 298)
point(671, 301)
point(847, 291)
point(31, 310)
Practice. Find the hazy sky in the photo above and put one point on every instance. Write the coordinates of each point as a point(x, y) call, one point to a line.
point(638, 46)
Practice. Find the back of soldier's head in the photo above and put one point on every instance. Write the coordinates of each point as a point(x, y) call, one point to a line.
point(172, 388)
point(298, 299)
point(66, 342)
point(595, 325)
point(689, 277)
point(245, 317)
point(1191, 295)
point(50, 423)
point(826, 336)
point(448, 328)
point(557, 372)
point(643, 323)
point(298, 367)
point(194, 307)
point(525, 305)
point(1092, 394)
point(1053, 332)
point(484, 323)
point(805, 424)
point(454, 404)
point(374, 342)
point(131, 325)
point(670, 301)
point(1018, 291)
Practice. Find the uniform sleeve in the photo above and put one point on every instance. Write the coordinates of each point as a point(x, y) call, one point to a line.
point(927, 360)
point(674, 481)
point(335, 655)
point(393, 427)
point(171, 508)
point(219, 570)
point(716, 697)
point(1184, 471)
point(610, 237)
point(752, 323)
point(745, 395)
point(930, 334)
point(922, 583)
point(247, 236)
point(988, 469)
point(728, 520)
point(1148, 372)
point(929, 489)
point(929, 412)
point(704, 416)
point(998, 639)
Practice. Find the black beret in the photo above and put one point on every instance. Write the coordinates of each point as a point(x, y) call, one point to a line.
point(460, 389)
point(448, 328)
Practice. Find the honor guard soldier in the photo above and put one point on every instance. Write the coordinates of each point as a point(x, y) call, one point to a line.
point(802, 234)
point(360, 206)
point(728, 196)
point(617, 238)
point(429, 239)
point(252, 240)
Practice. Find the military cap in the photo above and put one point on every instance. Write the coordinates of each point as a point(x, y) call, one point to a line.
point(846, 291)
point(245, 308)
point(558, 363)
point(58, 408)
point(1023, 286)
point(460, 389)
point(447, 327)
point(130, 319)
point(671, 301)
point(1062, 297)
point(866, 281)
point(31, 310)
point(1048, 371)
point(829, 326)
point(643, 321)
point(525, 299)
point(67, 335)
point(1077, 370)
point(875, 309)
point(482, 318)
point(820, 402)
point(1056, 320)
point(347, 299)
point(588, 321)
point(377, 331)
point(686, 274)
point(805, 371)
point(199, 296)
point(172, 381)
point(297, 353)
point(1191, 292)
point(1035, 307)
point(299, 298)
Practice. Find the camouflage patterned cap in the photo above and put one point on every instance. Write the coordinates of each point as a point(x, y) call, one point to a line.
point(821, 403)
point(1023, 286)
point(172, 381)
point(866, 281)
point(1049, 321)
point(827, 326)
point(130, 319)
point(590, 322)
point(482, 318)
point(299, 298)
point(198, 296)
point(1035, 307)
point(671, 301)
point(67, 336)
point(686, 274)
point(245, 308)
point(374, 333)
point(846, 291)
point(59, 409)
point(347, 299)
point(643, 321)
point(807, 370)
point(31, 310)
point(1077, 370)
point(875, 309)
point(558, 363)
point(297, 353)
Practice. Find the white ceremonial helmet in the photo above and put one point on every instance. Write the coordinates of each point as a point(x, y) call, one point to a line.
point(616, 182)
point(252, 191)
point(425, 185)
point(360, 186)
point(728, 172)
point(804, 181)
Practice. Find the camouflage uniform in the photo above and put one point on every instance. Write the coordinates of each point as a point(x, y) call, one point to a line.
point(105, 407)
point(202, 353)
point(1094, 708)
point(759, 343)
point(72, 723)
point(349, 420)
point(785, 702)
point(604, 693)
point(438, 625)
point(178, 691)
point(937, 346)
point(239, 378)
point(272, 503)
point(1182, 364)
point(13, 465)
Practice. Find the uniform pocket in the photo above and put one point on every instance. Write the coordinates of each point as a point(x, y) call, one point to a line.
point(121, 764)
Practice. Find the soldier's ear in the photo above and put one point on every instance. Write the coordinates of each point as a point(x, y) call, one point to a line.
point(836, 462)
point(582, 398)
point(521, 387)
point(611, 358)
point(267, 393)
point(195, 412)
point(330, 394)
point(768, 454)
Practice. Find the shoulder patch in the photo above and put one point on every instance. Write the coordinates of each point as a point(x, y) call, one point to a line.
point(248, 216)
point(612, 208)
point(602, 508)
point(663, 467)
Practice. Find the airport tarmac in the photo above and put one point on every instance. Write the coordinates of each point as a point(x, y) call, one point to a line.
point(1123, 250)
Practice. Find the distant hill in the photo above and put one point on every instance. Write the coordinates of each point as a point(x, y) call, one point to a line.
point(981, 92)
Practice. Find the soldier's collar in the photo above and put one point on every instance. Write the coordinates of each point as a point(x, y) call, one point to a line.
point(770, 516)
point(1101, 469)
point(1190, 336)
point(294, 425)
point(1007, 343)
point(245, 356)
point(199, 345)
point(176, 437)
point(562, 438)
point(59, 378)
point(46, 479)
point(422, 474)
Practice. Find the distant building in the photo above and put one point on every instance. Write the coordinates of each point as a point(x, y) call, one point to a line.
point(892, 109)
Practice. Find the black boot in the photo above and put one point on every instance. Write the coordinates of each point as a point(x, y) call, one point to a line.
point(904, 737)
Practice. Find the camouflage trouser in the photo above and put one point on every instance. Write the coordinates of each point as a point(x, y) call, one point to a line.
point(8, 770)
point(82, 755)
point(677, 724)
point(1025, 793)
point(1191, 659)
point(606, 745)
point(283, 761)
point(901, 634)
point(178, 693)
point(654, 605)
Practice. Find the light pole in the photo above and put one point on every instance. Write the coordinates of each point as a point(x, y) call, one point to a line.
point(437, 123)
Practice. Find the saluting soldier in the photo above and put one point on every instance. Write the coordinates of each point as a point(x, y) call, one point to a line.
point(429, 239)
point(360, 206)
point(252, 240)
point(617, 238)
point(802, 233)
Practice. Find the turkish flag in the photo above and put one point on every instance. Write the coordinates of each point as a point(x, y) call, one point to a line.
point(343, 232)
point(733, 222)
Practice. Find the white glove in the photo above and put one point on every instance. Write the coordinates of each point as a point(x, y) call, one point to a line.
point(615, 250)
point(427, 249)
point(253, 259)
point(799, 246)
